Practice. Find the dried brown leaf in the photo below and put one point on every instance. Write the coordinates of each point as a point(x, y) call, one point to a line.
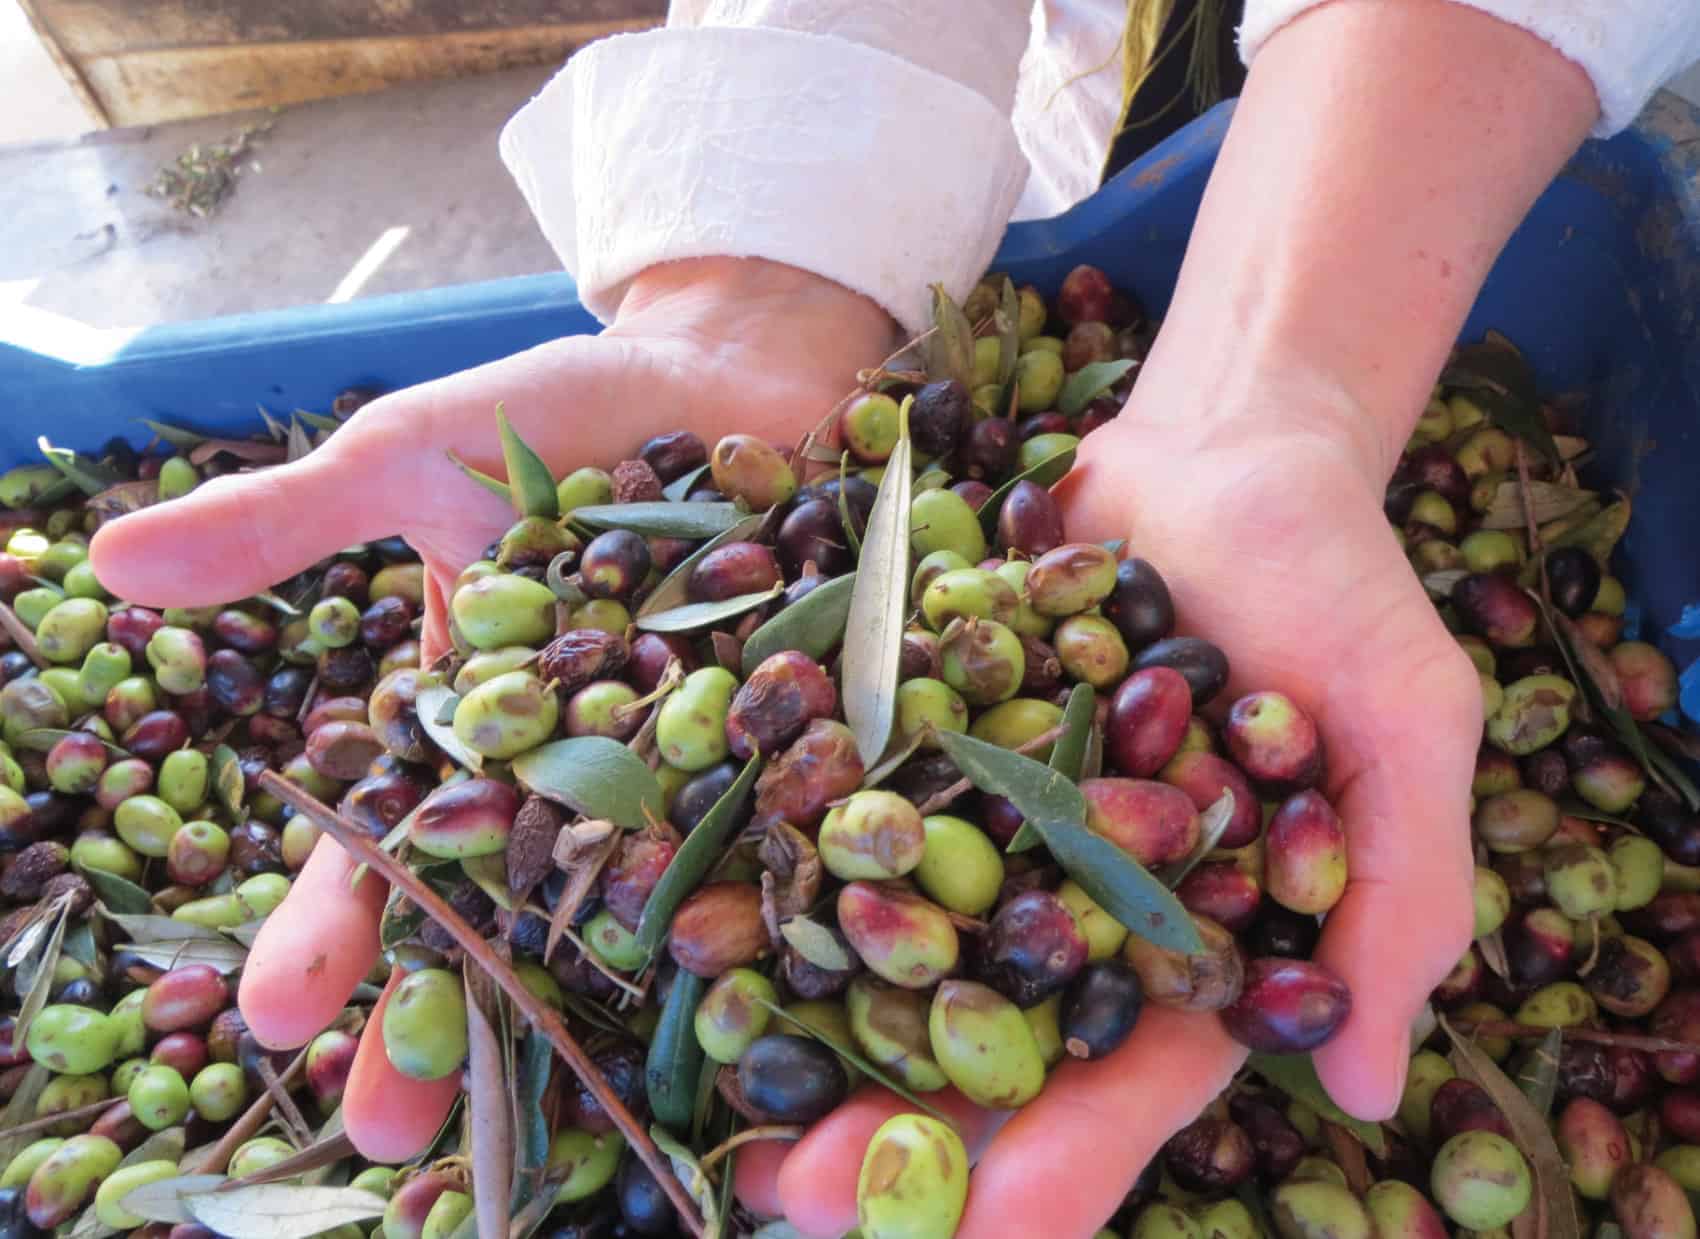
point(531, 844)
point(582, 870)
point(489, 1109)
point(243, 449)
point(792, 859)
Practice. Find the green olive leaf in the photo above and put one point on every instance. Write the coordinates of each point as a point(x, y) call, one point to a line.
point(848, 1053)
point(228, 782)
point(119, 894)
point(1538, 1077)
point(220, 953)
point(431, 705)
point(813, 624)
point(318, 421)
point(1549, 501)
point(175, 435)
point(87, 475)
point(1295, 1075)
point(1068, 754)
point(815, 943)
point(879, 602)
point(79, 944)
point(21, 1109)
point(674, 591)
point(845, 518)
point(282, 1210)
point(949, 349)
point(1047, 472)
point(679, 487)
point(674, 1060)
point(535, 1061)
point(34, 967)
point(401, 920)
point(1007, 319)
point(531, 485)
point(158, 929)
point(1088, 383)
point(662, 520)
point(1499, 379)
point(1055, 808)
point(596, 776)
point(695, 857)
point(1555, 1205)
point(689, 1172)
point(707, 1096)
point(695, 615)
point(495, 486)
point(1212, 825)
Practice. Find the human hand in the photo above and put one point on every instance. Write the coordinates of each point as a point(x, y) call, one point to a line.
point(709, 345)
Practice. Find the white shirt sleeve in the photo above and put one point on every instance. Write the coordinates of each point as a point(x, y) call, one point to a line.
point(745, 128)
point(1628, 48)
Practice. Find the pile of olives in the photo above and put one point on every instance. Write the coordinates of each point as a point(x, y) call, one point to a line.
point(132, 828)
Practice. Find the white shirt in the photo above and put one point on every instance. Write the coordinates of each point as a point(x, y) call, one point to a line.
point(885, 144)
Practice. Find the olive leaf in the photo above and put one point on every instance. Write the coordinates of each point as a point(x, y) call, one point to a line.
point(21, 1108)
point(813, 624)
point(695, 857)
point(42, 739)
point(1295, 1075)
point(1007, 319)
point(495, 486)
point(1440, 584)
point(124, 498)
point(299, 444)
point(1088, 383)
point(1538, 1076)
point(1047, 472)
point(531, 486)
point(489, 1107)
point(852, 535)
point(1055, 808)
point(282, 1210)
point(34, 968)
point(274, 428)
point(330, 1146)
point(1496, 377)
point(674, 591)
point(79, 944)
point(318, 421)
point(119, 894)
point(707, 1095)
point(879, 603)
point(168, 1199)
point(695, 615)
point(662, 520)
point(158, 929)
point(689, 1172)
point(432, 703)
point(877, 1074)
point(1068, 754)
point(535, 1061)
point(679, 487)
point(894, 758)
point(89, 476)
point(401, 920)
point(1548, 501)
point(1599, 534)
point(177, 436)
point(950, 348)
point(599, 777)
point(675, 1058)
point(1555, 1205)
point(815, 943)
point(220, 953)
point(1211, 827)
point(228, 782)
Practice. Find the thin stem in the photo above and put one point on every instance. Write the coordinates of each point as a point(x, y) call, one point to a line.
point(21, 635)
point(1627, 1041)
point(356, 843)
point(749, 1136)
point(89, 1111)
point(215, 1159)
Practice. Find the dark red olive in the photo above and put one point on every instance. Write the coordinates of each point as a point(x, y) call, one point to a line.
point(1667, 821)
point(1100, 1008)
point(345, 671)
point(1000, 819)
point(1573, 577)
point(1278, 931)
point(791, 1079)
point(674, 454)
point(234, 683)
point(1210, 1155)
point(155, 734)
point(1583, 1071)
point(1033, 949)
point(379, 801)
point(621, 1066)
point(386, 622)
point(651, 652)
point(974, 493)
point(1633, 1080)
point(1679, 1111)
point(345, 580)
point(1546, 771)
point(732, 570)
point(1275, 1142)
point(1288, 1006)
point(632, 872)
point(1030, 520)
point(132, 627)
point(1459, 1106)
point(1539, 947)
point(989, 450)
point(813, 533)
point(1204, 666)
point(1678, 1018)
point(614, 564)
point(1220, 890)
point(286, 691)
point(700, 794)
point(255, 848)
point(1139, 605)
point(244, 632)
point(1047, 423)
point(1148, 720)
point(1496, 607)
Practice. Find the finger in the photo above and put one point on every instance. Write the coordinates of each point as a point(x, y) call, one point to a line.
point(434, 632)
point(755, 1176)
point(312, 951)
point(1407, 914)
point(390, 1117)
point(1095, 1127)
point(817, 1182)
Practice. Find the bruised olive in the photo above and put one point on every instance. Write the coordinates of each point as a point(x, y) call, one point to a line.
point(731, 570)
point(1210, 1155)
point(1033, 948)
point(778, 700)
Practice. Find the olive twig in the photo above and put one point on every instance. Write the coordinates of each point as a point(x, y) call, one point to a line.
point(93, 1109)
point(215, 1159)
point(21, 635)
point(355, 842)
point(1627, 1041)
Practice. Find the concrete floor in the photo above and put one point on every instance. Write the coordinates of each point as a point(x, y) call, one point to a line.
point(358, 196)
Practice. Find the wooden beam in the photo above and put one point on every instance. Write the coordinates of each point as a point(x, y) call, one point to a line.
point(148, 87)
point(67, 66)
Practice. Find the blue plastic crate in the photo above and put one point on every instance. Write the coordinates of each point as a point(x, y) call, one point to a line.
point(1600, 286)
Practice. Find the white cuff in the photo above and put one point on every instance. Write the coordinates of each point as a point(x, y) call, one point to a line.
point(750, 142)
point(1629, 48)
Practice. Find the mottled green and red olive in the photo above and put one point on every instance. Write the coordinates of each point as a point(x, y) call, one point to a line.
point(718, 927)
point(913, 1183)
point(1154, 823)
point(67, 1179)
point(732, 1014)
point(411, 1203)
point(424, 1024)
point(472, 818)
point(874, 834)
point(901, 937)
point(1304, 855)
point(744, 467)
point(614, 564)
point(1274, 740)
point(984, 1045)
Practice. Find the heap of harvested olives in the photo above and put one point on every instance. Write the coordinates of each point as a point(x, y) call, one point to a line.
point(137, 853)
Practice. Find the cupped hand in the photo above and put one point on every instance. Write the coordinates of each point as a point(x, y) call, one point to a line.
point(709, 346)
point(1269, 531)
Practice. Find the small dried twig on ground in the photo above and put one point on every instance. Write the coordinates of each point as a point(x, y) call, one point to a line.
point(201, 179)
